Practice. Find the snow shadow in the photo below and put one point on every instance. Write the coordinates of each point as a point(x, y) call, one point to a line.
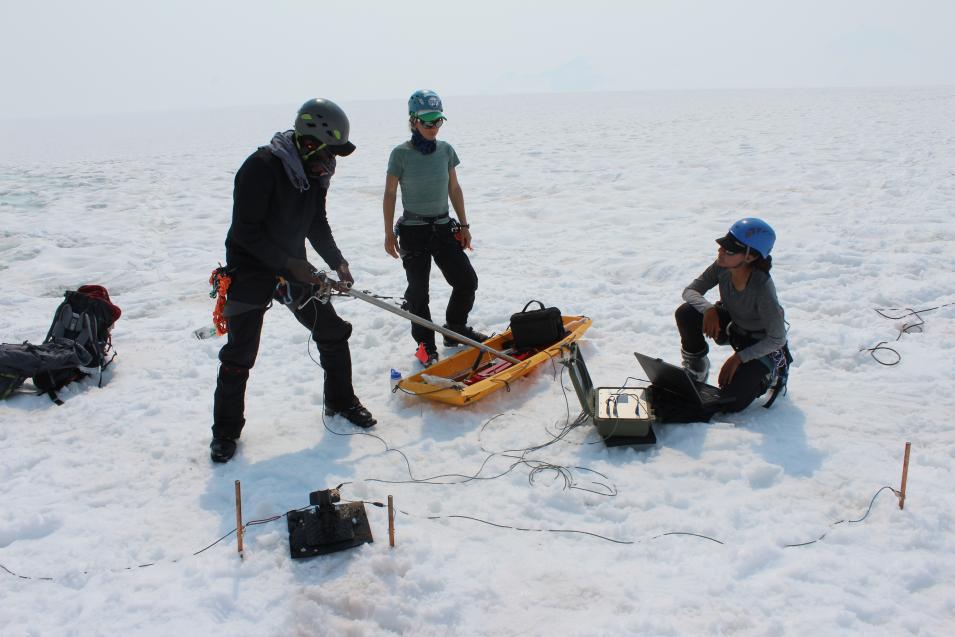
point(783, 439)
point(777, 435)
point(278, 484)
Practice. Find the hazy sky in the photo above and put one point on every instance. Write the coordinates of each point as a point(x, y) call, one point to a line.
point(94, 56)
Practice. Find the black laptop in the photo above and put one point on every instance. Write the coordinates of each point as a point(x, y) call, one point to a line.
point(678, 381)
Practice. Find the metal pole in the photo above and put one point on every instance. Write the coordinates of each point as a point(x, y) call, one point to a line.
point(425, 323)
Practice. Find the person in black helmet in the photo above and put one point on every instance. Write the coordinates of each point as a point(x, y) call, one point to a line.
point(424, 168)
point(278, 203)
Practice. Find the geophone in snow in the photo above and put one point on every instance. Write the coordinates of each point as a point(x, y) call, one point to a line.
point(327, 527)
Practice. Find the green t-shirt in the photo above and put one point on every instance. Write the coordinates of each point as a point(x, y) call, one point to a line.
point(423, 178)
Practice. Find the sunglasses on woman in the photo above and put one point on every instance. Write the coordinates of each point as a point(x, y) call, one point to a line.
point(435, 124)
point(735, 251)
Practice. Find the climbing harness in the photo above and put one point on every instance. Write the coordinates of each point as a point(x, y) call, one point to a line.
point(779, 375)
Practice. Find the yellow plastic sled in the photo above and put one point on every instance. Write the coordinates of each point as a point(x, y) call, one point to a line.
point(462, 379)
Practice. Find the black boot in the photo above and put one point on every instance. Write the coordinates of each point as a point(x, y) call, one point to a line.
point(464, 330)
point(222, 449)
point(355, 413)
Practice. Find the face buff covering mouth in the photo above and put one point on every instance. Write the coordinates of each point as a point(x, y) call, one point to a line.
point(422, 145)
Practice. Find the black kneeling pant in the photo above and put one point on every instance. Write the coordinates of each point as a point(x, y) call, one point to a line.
point(751, 378)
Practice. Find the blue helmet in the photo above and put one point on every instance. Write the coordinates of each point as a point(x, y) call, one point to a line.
point(755, 234)
point(425, 105)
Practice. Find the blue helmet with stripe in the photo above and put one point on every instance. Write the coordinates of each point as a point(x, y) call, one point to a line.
point(755, 234)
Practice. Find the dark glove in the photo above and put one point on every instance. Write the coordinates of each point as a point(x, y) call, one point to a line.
point(344, 276)
point(301, 270)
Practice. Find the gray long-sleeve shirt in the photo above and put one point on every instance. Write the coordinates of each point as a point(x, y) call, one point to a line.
point(755, 308)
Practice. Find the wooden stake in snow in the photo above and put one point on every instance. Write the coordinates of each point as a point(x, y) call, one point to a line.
point(238, 515)
point(905, 475)
point(391, 521)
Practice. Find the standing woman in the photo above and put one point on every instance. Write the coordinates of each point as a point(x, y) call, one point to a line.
point(424, 168)
point(748, 316)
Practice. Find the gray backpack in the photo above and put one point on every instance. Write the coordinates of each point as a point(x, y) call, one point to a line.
point(19, 362)
point(77, 344)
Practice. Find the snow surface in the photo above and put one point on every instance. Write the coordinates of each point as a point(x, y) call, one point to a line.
point(605, 205)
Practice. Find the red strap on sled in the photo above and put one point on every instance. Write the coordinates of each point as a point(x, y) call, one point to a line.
point(220, 282)
point(495, 367)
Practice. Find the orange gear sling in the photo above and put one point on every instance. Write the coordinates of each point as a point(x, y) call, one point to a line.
point(220, 282)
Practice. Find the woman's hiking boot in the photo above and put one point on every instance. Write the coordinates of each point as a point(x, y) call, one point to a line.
point(426, 354)
point(697, 365)
point(466, 331)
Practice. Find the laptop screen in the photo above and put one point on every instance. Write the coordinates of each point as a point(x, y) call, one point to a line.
point(669, 377)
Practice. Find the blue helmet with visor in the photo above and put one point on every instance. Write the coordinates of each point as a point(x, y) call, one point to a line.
point(749, 234)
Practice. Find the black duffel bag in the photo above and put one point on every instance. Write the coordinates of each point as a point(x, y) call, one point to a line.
point(534, 328)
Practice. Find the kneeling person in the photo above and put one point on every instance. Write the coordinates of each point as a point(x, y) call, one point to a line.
point(748, 316)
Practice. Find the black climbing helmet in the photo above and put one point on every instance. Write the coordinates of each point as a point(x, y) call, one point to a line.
point(326, 122)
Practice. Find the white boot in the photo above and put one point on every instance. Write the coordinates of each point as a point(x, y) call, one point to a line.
point(697, 365)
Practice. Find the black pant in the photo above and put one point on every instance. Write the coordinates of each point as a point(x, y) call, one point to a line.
point(751, 378)
point(238, 355)
point(419, 244)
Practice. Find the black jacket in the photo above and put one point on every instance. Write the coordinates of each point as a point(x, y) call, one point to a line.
point(271, 219)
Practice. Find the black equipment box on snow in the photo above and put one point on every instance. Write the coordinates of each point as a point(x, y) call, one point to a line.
point(327, 527)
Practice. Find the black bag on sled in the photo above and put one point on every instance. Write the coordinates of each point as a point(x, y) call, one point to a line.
point(533, 328)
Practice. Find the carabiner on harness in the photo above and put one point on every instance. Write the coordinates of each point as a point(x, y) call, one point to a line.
point(321, 292)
